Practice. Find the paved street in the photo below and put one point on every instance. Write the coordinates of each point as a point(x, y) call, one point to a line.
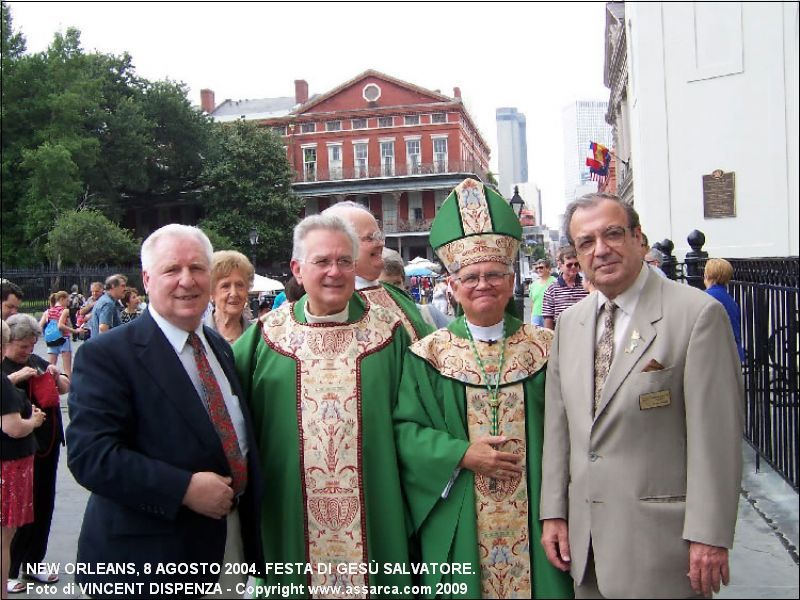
point(763, 560)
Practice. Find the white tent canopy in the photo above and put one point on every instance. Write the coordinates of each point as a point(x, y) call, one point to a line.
point(425, 264)
point(265, 284)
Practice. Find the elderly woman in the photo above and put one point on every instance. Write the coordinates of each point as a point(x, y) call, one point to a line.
point(21, 365)
point(470, 416)
point(718, 273)
point(17, 446)
point(231, 278)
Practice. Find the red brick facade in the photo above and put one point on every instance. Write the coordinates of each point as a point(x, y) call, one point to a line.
point(389, 144)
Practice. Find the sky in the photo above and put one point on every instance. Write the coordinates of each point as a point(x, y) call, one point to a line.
point(538, 57)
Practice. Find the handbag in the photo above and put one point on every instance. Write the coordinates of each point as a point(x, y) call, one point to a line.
point(44, 391)
point(52, 334)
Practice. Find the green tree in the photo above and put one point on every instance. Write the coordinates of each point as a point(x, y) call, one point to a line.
point(247, 183)
point(88, 237)
point(218, 241)
point(82, 130)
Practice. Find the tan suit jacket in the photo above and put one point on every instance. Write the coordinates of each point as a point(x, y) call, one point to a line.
point(645, 477)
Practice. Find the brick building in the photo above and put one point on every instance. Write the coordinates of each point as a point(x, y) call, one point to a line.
point(395, 147)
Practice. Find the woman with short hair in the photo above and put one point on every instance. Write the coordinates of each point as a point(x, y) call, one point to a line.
point(131, 301)
point(718, 273)
point(18, 446)
point(22, 366)
point(232, 277)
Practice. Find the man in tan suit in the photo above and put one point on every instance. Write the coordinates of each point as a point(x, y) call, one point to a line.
point(643, 424)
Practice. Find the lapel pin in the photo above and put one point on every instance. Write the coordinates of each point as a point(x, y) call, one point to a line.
point(635, 339)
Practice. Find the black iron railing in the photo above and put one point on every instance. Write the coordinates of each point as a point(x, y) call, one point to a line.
point(767, 291)
point(38, 283)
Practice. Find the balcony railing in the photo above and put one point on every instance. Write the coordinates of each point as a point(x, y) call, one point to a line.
point(406, 225)
point(316, 173)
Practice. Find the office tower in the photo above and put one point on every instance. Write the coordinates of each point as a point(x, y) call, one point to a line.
point(512, 150)
point(584, 122)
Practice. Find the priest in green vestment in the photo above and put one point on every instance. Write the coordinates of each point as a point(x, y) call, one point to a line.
point(469, 420)
point(320, 376)
point(370, 265)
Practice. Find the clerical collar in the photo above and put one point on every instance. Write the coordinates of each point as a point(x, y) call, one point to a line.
point(340, 317)
point(362, 283)
point(492, 333)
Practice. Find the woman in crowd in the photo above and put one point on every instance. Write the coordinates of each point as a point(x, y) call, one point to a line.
point(131, 300)
point(19, 419)
point(21, 366)
point(231, 279)
point(716, 277)
point(59, 312)
point(537, 288)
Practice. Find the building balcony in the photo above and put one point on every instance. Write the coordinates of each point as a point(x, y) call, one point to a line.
point(406, 225)
point(387, 178)
point(312, 173)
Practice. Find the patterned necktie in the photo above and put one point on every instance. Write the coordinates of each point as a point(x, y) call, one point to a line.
point(604, 352)
point(220, 417)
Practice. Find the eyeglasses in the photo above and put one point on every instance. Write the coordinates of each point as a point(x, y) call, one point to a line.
point(376, 236)
point(572, 265)
point(612, 237)
point(345, 265)
point(493, 279)
point(539, 268)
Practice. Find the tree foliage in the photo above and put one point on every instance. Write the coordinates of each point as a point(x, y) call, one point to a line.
point(89, 237)
point(81, 130)
point(248, 184)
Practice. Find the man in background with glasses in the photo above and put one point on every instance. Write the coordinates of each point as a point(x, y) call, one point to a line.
point(370, 264)
point(320, 376)
point(537, 289)
point(643, 423)
point(566, 291)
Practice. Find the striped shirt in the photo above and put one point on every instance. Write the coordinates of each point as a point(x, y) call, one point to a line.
point(559, 297)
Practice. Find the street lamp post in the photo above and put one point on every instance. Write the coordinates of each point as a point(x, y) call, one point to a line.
point(253, 242)
point(517, 204)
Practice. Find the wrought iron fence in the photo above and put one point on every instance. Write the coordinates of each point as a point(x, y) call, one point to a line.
point(767, 291)
point(38, 283)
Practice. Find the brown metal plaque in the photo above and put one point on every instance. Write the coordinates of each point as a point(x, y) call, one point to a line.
point(719, 195)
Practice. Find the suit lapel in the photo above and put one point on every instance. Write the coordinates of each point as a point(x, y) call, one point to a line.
point(164, 366)
point(648, 311)
point(585, 346)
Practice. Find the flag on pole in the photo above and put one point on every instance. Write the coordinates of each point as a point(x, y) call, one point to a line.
point(599, 161)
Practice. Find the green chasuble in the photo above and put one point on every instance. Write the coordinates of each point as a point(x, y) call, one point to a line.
point(491, 525)
point(402, 305)
point(322, 396)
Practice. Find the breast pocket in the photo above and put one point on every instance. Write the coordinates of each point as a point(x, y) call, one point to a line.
point(655, 389)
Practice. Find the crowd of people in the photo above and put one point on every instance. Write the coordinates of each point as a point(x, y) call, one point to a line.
point(592, 453)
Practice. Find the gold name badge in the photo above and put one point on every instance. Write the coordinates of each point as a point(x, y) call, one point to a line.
point(654, 400)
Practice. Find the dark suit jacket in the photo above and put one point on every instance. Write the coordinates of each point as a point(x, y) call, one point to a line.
point(137, 433)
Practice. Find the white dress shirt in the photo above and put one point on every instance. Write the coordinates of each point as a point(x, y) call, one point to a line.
point(177, 338)
point(626, 305)
point(362, 283)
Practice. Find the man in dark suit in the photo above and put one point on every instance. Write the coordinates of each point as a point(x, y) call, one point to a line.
point(158, 435)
